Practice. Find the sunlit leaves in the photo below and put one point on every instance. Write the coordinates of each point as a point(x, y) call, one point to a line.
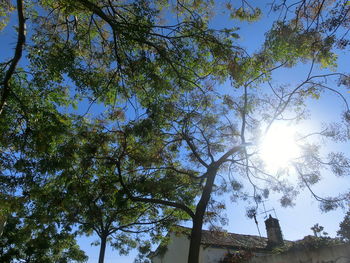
point(339, 163)
point(246, 15)
point(145, 60)
point(6, 8)
point(150, 115)
point(244, 69)
point(289, 43)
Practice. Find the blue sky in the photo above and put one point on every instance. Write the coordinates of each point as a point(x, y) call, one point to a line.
point(295, 222)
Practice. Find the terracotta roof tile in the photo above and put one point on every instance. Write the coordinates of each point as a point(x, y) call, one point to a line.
point(226, 239)
point(233, 240)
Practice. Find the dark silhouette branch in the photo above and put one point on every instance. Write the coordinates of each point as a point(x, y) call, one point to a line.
point(233, 150)
point(194, 150)
point(152, 200)
point(5, 92)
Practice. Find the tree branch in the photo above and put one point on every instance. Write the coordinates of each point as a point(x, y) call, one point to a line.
point(152, 200)
point(233, 150)
point(17, 56)
point(194, 150)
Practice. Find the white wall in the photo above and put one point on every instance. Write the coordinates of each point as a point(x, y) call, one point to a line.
point(213, 255)
point(178, 248)
point(335, 254)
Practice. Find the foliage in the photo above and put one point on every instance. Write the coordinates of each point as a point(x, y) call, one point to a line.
point(344, 228)
point(65, 67)
point(308, 243)
point(288, 43)
point(326, 17)
point(237, 257)
point(28, 238)
point(317, 229)
point(5, 10)
point(116, 116)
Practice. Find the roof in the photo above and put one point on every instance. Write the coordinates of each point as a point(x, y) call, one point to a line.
point(222, 239)
point(226, 239)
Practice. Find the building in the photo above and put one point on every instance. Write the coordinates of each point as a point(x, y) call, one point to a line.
point(224, 247)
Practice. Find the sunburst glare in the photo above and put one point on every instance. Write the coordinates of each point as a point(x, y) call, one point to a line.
point(279, 147)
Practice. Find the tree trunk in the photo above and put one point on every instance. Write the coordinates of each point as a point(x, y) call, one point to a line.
point(196, 233)
point(2, 223)
point(101, 257)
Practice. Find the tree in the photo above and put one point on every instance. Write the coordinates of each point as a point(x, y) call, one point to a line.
point(178, 138)
point(89, 196)
point(69, 40)
point(146, 60)
point(344, 228)
point(5, 8)
point(318, 231)
point(203, 140)
point(199, 131)
point(29, 236)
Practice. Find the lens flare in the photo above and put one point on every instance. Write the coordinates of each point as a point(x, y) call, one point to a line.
point(279, 147)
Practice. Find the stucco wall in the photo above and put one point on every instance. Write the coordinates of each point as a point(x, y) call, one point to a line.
point(335, 254)
point(214, 255)
point(178, 248)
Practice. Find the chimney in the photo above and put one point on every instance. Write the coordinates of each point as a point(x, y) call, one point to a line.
point(274, 233)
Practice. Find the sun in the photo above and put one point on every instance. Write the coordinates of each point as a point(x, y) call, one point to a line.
point(278, 148)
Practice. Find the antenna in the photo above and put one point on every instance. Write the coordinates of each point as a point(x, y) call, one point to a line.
point(266, 211)
point(254, 215)
point(257, 223)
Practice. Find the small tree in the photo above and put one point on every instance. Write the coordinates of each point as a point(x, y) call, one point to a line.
point(318, 231)
point(344, 228)
point(83, 191)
